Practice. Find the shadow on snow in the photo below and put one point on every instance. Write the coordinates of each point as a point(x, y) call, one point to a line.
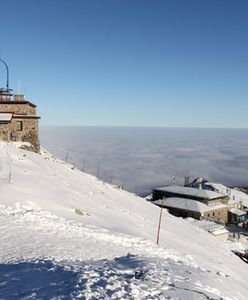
point(44, 279)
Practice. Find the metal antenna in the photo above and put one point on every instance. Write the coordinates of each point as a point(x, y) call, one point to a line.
point(19, 87)
point(7, 69)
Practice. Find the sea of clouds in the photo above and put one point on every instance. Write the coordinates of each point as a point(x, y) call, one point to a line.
point(143, 158)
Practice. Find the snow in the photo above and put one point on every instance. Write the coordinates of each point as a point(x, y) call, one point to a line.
point(219, 231)
point(5, 117)
point(234, 195)
point(237, 211)
point(190, 191)
point(65, 233)
point(206, 224)
point(188, 204)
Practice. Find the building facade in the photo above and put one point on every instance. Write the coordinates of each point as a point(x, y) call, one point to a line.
point(204, 196)
point(189, 208)
point(18, 120)
point(192, 202)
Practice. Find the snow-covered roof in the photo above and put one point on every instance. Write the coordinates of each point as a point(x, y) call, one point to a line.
point(188, 204)
point(207, 225)
point(234, 194)
point(190, 191)
point(237, 211)
point(221, 188)
point(5, 117)
point(219, 231)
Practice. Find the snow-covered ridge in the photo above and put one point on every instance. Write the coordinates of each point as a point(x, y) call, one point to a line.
point(49, 210)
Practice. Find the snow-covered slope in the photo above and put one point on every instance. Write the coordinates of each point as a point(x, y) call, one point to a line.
point(50, 211)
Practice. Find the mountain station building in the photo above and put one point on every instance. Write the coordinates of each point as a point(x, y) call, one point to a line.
point(192, 202)
point(18, 119)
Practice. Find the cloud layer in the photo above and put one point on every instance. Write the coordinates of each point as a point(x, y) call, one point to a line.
point(143, 158)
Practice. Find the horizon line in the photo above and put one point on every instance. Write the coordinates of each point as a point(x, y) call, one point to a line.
point(142, 126)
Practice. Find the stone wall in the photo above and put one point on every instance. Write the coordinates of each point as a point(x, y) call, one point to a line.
point(20, 108)
point(24, 129)
point(220, 214)
point(29, 132)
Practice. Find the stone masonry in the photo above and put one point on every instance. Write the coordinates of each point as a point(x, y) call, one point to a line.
point(19, 122)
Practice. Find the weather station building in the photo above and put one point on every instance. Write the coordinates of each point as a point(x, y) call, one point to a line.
point(192, 202)
point(18, 119)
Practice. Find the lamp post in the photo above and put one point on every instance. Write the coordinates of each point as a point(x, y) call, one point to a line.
point(7, 69)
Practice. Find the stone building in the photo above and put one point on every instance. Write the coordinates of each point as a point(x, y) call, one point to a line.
point(204, 196)
point(18, 119)
point(185, 207)
point(192, 202)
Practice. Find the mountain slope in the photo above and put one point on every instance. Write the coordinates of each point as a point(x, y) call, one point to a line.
point(49, 210)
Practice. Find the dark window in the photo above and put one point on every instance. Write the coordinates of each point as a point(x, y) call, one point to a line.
point(213, 214)
point(19, 126)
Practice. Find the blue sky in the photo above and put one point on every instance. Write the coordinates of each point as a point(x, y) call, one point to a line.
point(129, 62)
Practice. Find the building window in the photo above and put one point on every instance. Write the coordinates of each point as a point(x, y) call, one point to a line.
point(19, 126)
point(213, 214)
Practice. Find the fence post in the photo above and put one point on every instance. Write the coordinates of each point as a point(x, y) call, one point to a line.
point(97, 174)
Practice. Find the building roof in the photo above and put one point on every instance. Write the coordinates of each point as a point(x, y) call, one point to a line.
point(25, 116)
point(5, 117)
point(208, 225)
point(219, 231)
point(18, 102)
point(237, 211)
point(189, 191)
point(188, 204)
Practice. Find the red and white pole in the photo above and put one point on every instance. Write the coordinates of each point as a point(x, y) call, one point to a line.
point(159, 224)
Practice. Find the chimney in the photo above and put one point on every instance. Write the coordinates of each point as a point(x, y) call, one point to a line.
point(19, 97)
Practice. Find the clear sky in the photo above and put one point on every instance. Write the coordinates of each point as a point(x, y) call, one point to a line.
point(129, 62)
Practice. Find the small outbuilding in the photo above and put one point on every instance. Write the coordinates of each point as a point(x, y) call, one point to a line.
point(236, 216)
point(221, 234)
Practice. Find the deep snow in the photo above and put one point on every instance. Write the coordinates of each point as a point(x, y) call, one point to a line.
point(64, 233)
